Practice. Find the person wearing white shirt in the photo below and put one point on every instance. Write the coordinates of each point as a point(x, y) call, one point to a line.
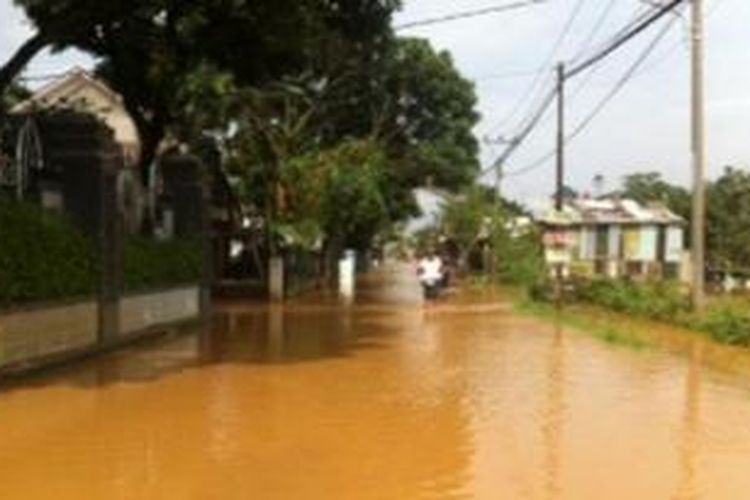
point(430, 272)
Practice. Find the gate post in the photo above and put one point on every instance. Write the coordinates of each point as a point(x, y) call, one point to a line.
point(83, 152)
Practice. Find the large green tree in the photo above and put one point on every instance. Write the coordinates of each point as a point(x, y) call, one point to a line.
point(432, 116)
point(59, 24)
point(728, 224)
point(152, 49)
point(650, 187)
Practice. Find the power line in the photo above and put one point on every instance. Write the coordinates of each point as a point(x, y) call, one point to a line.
point(632, 33)
point(508, 75)
point(628, 35)
point(587, 78)
point(469, 14)
point(627, 77)
point(595, 69)
point(541, 162)
point(516, 142)
point(595, 31)
point(577, 91)
point(532, 89)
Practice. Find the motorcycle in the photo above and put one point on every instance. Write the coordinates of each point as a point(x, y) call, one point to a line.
point(431, 288)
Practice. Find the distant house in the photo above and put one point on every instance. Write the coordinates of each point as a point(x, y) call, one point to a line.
point(81, 91)
point(615, 238)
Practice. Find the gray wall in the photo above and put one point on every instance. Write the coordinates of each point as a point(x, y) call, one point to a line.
point(35, 337)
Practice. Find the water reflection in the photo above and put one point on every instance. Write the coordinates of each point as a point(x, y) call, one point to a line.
point(379, 400)
point(691, 426)
point(553, 422)
point(279, 333)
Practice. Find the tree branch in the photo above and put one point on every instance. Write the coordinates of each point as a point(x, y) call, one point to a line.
point(16, 64)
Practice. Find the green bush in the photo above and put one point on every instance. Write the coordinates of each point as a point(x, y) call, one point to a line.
point(659, 300)
point(42, 256)
point(726, 325)
point(150, 264)
point(519, 260)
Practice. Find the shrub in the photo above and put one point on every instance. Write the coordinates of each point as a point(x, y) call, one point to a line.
point(160, 264)
point(660, 300)
point(42, 256)
point(727, 325)
point(519, 260)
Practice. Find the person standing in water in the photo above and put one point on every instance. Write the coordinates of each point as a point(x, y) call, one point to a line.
point(430, 272)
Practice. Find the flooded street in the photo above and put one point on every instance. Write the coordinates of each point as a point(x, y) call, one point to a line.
point(381, 399)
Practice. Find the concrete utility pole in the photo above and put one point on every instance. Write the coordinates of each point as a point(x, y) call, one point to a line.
point(560, 136)
point(698, 160)
point(498, 182)
point(560, 171)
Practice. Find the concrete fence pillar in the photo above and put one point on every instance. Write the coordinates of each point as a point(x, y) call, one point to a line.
point(276, 278)
point(82, 154)
point(187, 187)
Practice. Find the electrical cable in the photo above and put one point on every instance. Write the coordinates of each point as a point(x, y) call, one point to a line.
point(507, 76)
point(544, 69)
point(597, 57)
point(469, 14)
point(595, 31)
point(624, 80)
point(632, 33)
point(577, 91)
point(595, 69)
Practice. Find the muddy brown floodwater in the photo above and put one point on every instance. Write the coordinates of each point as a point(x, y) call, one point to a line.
point(381, 399)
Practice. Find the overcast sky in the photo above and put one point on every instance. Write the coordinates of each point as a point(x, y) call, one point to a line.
point(646, 127)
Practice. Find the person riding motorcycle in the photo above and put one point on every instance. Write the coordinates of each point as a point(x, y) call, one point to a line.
point(431, 274)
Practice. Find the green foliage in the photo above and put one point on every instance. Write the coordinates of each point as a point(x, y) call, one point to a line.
point(150, 264)
point(650, 187)
point(42, 256)
point(726, 325)
point(600, 328)
point(657, 300)
point(728, 227)
point(13, 95)
point(430, 116)
point(515, 253)
point(465, 218)
point(343, 189)
point(167, 57)
point(728, 212)
point(663, 301)
point(518, 258)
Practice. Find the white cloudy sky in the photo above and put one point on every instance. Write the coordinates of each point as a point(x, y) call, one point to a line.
point(645, 127)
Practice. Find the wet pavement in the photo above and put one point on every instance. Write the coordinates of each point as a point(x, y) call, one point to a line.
point(383, 399)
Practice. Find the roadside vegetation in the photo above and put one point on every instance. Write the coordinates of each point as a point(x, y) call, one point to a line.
point(323, 120)
point(44, 257)
point(495, 249)
point(151, 265)
point(726, 321)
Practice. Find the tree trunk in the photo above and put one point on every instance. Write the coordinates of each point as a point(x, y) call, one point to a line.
point(151, 138)
point(16, 64)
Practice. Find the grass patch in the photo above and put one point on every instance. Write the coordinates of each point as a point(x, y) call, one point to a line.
point(726, 321)
point(596, 325)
